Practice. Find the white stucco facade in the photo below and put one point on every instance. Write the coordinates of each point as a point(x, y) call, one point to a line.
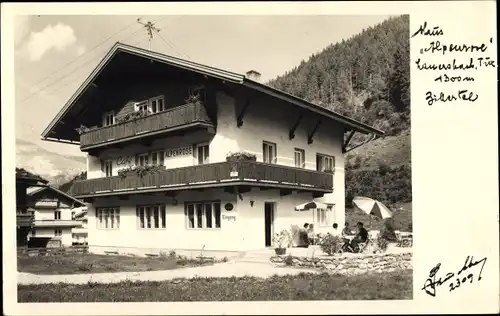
point(46, 225)
point(243, 227)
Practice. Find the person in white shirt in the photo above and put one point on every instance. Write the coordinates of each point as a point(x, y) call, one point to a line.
point(335, 231)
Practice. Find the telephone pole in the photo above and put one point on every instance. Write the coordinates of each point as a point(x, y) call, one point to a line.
point(150, 27)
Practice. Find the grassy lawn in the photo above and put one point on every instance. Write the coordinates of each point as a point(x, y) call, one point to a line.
point(305, 286)
point(90, 263)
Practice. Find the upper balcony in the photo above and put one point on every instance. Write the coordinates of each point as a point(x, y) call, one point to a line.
point(239, 173)
point(188, 116)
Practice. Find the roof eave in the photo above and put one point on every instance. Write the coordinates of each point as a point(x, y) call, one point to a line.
point(358, 126)
point(75, 200)
point(203, 69)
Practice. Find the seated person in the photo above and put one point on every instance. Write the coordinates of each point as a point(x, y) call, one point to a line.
point(335, 231)
point(310, 234)
point(346, 231)
point(303, 237)
point(361, 237)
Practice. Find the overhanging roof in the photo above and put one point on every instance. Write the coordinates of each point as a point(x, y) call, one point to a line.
point(210, 72)
point(77, 202)
point(23, 175)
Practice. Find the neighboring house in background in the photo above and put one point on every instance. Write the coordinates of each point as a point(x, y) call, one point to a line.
point(53, 214)
point(185, 156)
point(80, 234)
point(24, 218)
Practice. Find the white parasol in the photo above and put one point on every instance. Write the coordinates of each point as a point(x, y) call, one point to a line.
point(311, 205)
point(372, 207)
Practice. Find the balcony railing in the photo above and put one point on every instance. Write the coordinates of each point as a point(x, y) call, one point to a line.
point(209, 175)
point(56, 223)
point(24, 220)
point(172, 119)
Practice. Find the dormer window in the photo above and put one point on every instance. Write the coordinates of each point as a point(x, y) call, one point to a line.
point(108, 118)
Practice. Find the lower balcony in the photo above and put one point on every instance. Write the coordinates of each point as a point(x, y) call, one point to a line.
point(24, 220)
point(56, 223)
point(224, 174)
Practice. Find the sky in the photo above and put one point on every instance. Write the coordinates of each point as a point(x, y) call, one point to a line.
point(55, 54)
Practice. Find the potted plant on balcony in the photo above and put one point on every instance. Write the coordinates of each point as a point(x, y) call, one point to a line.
point(240, 156)
point(141, 171)
point(281, 240)
point(82, 129)
point(329, 170)
point(193, 99)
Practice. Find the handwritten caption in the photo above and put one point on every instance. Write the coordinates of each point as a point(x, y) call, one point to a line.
point(453, 58)
point(454, 280)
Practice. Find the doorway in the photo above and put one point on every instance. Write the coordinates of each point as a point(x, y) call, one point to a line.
point(269, 208)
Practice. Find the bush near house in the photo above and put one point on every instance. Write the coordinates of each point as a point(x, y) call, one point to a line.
point(304, 286)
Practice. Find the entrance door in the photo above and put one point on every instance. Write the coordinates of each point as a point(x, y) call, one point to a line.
point(269, 222)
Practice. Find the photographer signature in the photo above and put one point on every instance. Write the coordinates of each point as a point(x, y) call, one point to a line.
point(455, 279)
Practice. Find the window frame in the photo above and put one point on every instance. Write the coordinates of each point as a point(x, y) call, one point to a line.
point(162, 216)
point(204, 217)
point(106, 163)
point(147, 160)
point(302, 153)
point(56, 230)
point(328, 217)
point(139, 106)
point(100, 219)
point(105, 116)
point(160, 157)
point(57, 214)
point(275, 152)
point(156, 98)
point(195, 154)
point(324, 157)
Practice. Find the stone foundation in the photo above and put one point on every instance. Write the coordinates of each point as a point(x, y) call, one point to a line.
point(349, 265)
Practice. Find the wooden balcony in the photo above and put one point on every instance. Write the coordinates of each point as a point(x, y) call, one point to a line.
point(24, 220)
point(174, 119)
point(245, 173)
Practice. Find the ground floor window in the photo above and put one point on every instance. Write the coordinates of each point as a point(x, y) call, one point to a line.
point(151, 216)
point(323, 217)
point(108, 217)
point(202, 215)
point(58, 232)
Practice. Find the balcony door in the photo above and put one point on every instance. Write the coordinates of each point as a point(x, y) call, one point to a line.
point(269, 210)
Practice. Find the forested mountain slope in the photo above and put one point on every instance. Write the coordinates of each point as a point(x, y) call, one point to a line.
point(366, 77)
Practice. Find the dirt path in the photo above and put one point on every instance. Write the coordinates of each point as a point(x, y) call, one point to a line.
point(229, 269)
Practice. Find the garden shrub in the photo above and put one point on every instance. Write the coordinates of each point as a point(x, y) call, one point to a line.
point(172, 254)
point(289, 260)
point(382, 243)
point(330, 244)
